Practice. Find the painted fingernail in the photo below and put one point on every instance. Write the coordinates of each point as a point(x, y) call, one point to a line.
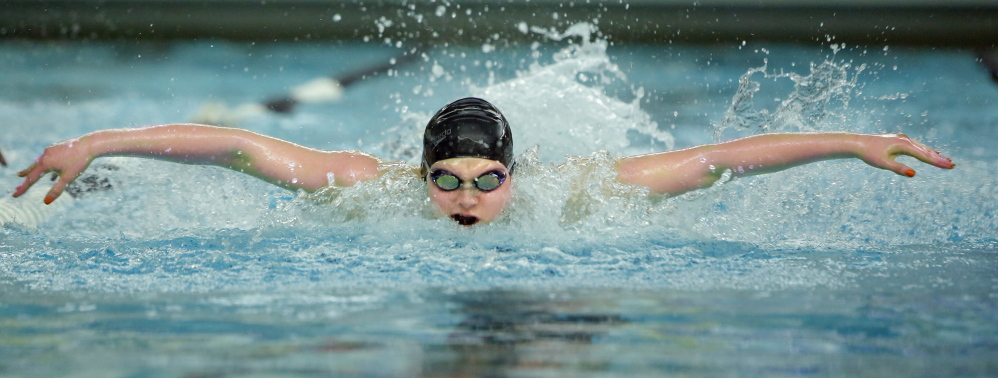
point(48, 200)
point(910, 173)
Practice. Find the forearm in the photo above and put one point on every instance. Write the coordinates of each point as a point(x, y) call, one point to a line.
point(680, 171)
point(183, 143)
point(775, 152)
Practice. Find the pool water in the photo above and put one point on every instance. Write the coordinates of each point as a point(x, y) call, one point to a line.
point(836, 268)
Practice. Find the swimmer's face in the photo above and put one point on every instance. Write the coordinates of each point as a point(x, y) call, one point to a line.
point(467, 204)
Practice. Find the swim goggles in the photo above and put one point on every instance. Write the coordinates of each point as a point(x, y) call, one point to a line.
point(487, 182)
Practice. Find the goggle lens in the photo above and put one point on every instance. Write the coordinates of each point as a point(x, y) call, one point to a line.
point(447, 182)
point(487, 182)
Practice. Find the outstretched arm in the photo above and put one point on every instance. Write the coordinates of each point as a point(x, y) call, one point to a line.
point(680, 171)
point(273, 160)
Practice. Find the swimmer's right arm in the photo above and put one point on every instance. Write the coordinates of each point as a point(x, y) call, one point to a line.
point(276, 161)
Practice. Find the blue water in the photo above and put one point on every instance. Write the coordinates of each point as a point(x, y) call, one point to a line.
point(833, 269)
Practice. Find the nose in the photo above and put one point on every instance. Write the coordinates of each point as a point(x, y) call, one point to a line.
point(467, 197)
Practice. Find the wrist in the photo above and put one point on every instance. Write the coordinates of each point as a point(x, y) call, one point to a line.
point(89, 148)
point(855, 144)
point(93, 145)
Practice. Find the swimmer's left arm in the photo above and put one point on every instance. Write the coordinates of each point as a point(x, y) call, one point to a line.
point(680, 171)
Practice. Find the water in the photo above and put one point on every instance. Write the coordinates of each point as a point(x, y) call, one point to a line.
point(835, 268)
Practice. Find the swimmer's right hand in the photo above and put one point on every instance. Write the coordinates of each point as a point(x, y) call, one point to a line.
point(66, 160)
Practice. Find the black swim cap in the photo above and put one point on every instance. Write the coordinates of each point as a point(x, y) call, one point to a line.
point(469, 127)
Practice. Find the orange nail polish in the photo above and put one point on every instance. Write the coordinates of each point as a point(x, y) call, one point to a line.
point(48, 200)
point(910, 173)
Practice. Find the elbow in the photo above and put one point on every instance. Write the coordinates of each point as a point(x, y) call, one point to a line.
point(672, 185)
point(673, 173)
point(238, 160)
point(681, 186)
point(353, 167)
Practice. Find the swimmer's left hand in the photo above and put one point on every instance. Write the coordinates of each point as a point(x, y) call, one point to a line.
point(881, 150)
point(2, 161)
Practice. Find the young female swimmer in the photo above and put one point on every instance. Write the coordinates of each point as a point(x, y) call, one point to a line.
point(467, 158)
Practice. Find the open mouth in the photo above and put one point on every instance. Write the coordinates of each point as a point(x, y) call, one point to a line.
point(465, 220)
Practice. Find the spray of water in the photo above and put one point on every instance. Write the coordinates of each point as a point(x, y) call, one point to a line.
point(819, 101)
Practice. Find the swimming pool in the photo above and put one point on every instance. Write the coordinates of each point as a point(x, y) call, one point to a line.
point(830, 269)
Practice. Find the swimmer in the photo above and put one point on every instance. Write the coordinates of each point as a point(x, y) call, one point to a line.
point(467, 160)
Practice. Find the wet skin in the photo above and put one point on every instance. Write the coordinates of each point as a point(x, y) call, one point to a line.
point(467, 205)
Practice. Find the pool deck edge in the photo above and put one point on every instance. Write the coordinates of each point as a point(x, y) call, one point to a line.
point(918, 22)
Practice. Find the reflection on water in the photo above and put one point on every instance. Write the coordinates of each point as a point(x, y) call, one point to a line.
point(503, 332)
point(883, 327)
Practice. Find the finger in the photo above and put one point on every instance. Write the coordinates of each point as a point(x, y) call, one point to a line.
point(899, 168)
point(26, 170)
point(932, 158)
point(926, 155)
point(31, 176)
point(56, 190)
